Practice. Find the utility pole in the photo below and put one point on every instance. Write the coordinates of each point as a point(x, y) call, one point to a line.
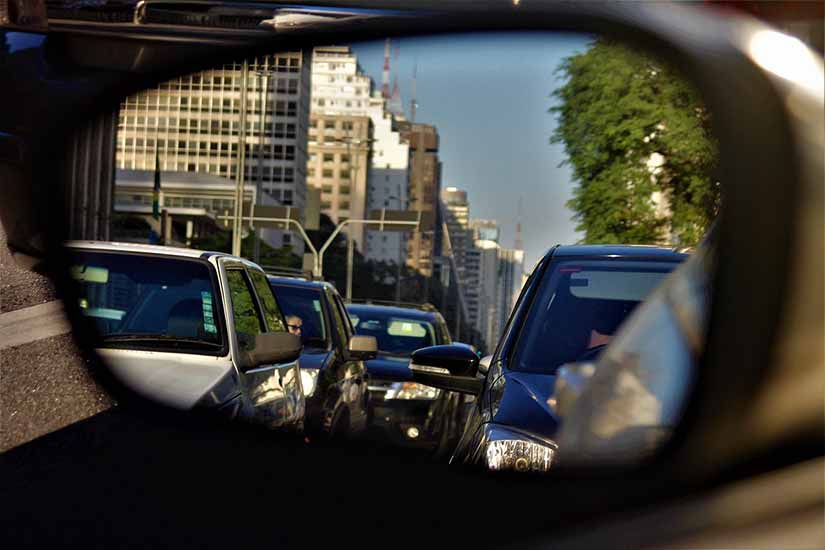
point(237, 226)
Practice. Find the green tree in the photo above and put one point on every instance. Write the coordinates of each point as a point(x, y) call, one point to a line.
point(635, 131)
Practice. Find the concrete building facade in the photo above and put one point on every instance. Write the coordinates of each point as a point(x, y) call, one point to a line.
point(424, 192)
point(193, 123)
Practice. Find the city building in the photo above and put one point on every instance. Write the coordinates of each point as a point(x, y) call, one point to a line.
point(339, 85)
point(339, 156)
point(193, 124)
point(388, 182)
point(340, 136)
point(424, 190)
point(485, 230)
point(456, 210)
point(481, 290)
point(341, 90)
point(510, 281)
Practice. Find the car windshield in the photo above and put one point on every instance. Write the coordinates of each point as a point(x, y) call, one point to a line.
point(579, 307)
point(395, 334)
point(139, 300)
point(305, 305)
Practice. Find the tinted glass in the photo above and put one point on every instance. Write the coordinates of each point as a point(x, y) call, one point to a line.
point(395, 334)
point(304, 303)
point(272, 313)
point(578, 308)
point(170, 301)
point(247, 321)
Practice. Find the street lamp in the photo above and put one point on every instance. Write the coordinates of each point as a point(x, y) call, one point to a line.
point(263, 85)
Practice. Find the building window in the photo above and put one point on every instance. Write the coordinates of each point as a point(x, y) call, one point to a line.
point(344, 174)
point(327, 173)
point(329, 157)
point(344, 190)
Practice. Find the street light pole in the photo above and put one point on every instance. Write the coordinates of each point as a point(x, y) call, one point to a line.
point(263, 84)
point(237, 226)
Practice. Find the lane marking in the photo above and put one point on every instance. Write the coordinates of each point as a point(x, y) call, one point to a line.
point(34, 323)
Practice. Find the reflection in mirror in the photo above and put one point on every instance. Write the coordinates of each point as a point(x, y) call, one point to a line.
point(378, 198)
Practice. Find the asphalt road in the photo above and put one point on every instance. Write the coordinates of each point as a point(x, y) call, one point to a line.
point(44, 383)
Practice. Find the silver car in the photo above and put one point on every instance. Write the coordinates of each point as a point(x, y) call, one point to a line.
point(191, 329)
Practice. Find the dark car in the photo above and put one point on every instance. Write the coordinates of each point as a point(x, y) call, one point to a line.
point(569, 309)
point(333, 373)
point(408, 413)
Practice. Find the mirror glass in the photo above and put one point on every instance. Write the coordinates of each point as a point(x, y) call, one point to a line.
point(415, 190)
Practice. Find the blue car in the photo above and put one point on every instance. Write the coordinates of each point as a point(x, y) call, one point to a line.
point(333, 375)
point(568, 311)
point(405, 412)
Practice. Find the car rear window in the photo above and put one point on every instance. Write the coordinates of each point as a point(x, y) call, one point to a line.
point(135, 299)
point(578, 308)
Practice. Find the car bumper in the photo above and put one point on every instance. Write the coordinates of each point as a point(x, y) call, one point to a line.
point(404, 422)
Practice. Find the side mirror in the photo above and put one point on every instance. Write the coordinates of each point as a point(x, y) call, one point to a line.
point(484, 364)
point(451, 367)
point(363, 347)
point(270, 347)
point(571, 379)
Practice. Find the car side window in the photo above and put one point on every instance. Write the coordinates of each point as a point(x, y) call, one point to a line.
point(272, 313)
point(342, 309)
point(340, 326)
point(247, 320)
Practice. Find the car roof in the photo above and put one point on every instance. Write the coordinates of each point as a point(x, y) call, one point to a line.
point(139, 248)
point(303, 283)
point(635, 251)
point(412, 313)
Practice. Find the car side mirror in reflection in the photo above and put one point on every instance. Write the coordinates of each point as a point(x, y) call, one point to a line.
point(571, 379)
point(363, 347)
point(270, 347)
point(450, 367)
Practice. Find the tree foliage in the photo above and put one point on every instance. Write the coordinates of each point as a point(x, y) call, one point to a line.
point(620, 113)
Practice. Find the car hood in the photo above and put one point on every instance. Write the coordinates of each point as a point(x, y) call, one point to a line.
point(523, 403)
point(389, 367)
point(314, 359)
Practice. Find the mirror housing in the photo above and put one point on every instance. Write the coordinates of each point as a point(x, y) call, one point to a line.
point(451, 367)
point(270, 347)
point(484, 365)
point(571, 379)
point(362, 347)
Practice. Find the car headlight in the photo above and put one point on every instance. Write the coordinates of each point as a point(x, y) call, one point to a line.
point(309, 379)
point(411, 390)
point(509, 450)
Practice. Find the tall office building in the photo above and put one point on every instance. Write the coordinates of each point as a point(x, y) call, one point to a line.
point(510, 281)
point(457, 219)
point(340, 136)
point(388, 182)
point(193, 122)
point(485, 230)
point(338, 166)
point(482, 293)
point(341, 89)
point(425, 186)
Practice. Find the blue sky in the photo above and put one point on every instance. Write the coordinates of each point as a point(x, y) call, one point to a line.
point(488, 97)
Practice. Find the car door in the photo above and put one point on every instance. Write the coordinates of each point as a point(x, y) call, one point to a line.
point(354, 371)
point(264, 396)
point(275, 322)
